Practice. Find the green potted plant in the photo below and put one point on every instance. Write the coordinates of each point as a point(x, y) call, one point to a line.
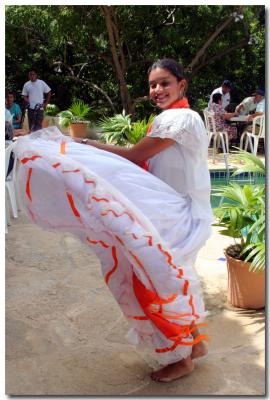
point(50, 115)
point(241, 216)
point(139, 130)
point(113, 129)
point(121, 131)
point(75, 117)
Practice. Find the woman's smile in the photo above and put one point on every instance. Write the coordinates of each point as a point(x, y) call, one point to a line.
point(164, 87)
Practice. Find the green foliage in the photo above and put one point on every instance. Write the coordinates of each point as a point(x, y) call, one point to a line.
point(115, 129)
point(121, 131)
point(139, 130)
point(200, 105)
point(242, 214)
point(44, 34)
point(251, 162)
point(79, 109)
point(77, 112)
point(51, 110)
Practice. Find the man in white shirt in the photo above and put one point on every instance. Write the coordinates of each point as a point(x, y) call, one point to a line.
point(33, 93)
point(224, 90)
point(250, 104)
point(260, 109)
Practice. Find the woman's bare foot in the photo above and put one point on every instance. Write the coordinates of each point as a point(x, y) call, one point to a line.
point(198, 350)
point(174, 371)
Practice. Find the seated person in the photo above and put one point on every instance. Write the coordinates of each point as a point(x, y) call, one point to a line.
point(224, 90)
point(249, 104)
point(8, 125)
point(9, 137)
point(220, 116)
point(14, 109)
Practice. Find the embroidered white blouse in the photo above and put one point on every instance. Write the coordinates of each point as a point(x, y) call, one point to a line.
point(184, 165)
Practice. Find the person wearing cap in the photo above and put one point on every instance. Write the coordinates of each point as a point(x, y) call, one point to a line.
point(260, 109)
point(224, 90)
point(254, 103)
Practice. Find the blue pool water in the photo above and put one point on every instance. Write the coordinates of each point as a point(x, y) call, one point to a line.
point(218, 178)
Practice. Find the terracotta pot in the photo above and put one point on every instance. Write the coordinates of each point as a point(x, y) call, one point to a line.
point(45, 123)
point(78, 130)
point(245, 289)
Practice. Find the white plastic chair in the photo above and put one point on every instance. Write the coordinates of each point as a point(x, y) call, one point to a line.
point(10, 184)
point(15, 173)
point(217, 135)
point(252, 138)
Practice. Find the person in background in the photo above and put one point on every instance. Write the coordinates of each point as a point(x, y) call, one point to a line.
point(8, 125)
point(260, 110)
point(33, 93)
point(249, 104)
point(14, 109)
point(224, 90)
point(221, 116)
point(8, 138)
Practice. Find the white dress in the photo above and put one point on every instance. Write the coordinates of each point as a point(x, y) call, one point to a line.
point(141, 229)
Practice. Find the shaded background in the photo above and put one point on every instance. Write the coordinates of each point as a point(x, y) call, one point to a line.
point(101, 54)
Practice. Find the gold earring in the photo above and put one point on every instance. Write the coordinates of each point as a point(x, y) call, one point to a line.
point(152, 103)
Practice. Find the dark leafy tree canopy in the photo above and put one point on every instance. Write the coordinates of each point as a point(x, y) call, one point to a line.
point(101, 54)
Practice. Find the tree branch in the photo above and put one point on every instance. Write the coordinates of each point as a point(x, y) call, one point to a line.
point(229, 50)
point(115, 45)
point(117, 37)
point(61, 64)
point(165, 22)
point(94, 49)
point(95, 87)
point(209, 41)
point(141, 99)
point(84, 82)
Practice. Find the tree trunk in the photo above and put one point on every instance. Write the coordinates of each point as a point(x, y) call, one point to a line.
point(118, 58)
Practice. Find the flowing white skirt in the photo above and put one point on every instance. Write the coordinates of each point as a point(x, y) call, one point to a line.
point(139, 227)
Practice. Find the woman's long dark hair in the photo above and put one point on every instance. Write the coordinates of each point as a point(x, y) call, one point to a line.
point(171, 65)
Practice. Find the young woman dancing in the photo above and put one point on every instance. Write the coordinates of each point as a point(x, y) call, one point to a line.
point(146, 228)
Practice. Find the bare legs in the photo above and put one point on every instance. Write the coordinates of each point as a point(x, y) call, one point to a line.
point(199, 349)
point(174, 371)
point(183, 367)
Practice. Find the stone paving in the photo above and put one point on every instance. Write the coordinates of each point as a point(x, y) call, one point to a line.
point(65, 334)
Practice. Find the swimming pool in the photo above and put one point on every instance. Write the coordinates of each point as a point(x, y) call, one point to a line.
point(218, 178)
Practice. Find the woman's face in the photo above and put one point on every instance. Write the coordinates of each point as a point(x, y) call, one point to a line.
point(164, 88)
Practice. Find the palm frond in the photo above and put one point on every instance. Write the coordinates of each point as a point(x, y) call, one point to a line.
point(252, 163)
point(115, 129)
point(256, 256)
point(242, 196)
point(79, 109)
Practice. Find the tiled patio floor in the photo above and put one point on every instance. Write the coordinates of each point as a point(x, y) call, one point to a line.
point(220, 163)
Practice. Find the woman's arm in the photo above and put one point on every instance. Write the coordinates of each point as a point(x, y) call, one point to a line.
point(146, 148)
point(252, 116)
point(229, 115)
point(18, 115)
